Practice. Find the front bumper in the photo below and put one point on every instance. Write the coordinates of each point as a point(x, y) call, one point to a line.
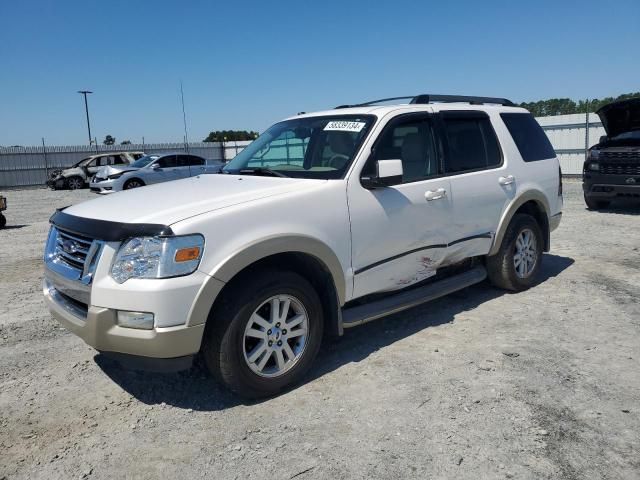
point(596, 185)
point(55, 183)
point(98, 327)
point(102, 187)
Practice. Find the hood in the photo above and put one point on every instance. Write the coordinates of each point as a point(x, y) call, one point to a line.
point(620, 117)
point(169, 202)
point(104, 172)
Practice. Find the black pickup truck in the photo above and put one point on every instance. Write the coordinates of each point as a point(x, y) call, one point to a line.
point(612, 167)
point(3, 206)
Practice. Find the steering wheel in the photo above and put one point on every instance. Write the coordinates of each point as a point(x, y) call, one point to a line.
point(337, 161)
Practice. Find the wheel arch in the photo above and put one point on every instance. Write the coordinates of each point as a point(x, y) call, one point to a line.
point(532, 202)
point(306, 256)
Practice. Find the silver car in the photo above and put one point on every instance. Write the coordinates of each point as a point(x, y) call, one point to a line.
point(150, 169)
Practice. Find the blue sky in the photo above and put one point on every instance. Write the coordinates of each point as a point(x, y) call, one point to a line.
point(247, 64)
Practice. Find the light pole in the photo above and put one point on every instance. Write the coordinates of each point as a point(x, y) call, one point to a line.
point(86, 110)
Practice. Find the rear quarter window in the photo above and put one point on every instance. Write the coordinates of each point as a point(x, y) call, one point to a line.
point(528, 136)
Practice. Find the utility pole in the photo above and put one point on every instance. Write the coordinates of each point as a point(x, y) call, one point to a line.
point(86, 110)
point(184, 119)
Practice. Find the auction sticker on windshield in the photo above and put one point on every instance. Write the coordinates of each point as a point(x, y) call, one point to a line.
point(345, 126)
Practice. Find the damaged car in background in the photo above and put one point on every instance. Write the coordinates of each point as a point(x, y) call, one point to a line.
point(78, 175)
point(612, 168)
point(150, 169)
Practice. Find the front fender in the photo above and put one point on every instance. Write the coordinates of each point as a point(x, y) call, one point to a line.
point(245, 256)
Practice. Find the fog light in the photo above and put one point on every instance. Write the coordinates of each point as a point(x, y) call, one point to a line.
point(140, 320)
point(594, 166)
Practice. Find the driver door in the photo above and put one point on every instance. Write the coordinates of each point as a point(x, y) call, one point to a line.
point(163, 170)
point(400, 233)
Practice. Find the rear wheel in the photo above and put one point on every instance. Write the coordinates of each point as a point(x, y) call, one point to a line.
point(75, 183)
point(133, 183)
point(265, 334)
point(596, 204)
point(517, 263)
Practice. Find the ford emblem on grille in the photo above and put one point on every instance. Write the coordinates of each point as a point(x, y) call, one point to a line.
point(631, 180)
point(69, 246)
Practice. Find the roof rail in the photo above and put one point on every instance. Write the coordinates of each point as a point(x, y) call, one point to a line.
point(430, 98)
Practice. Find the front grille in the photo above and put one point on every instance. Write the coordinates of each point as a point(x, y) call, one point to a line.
point(72, 249)
point(620, 168)
point(620, 163)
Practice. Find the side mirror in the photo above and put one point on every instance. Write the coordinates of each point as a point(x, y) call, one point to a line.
point(388, 173)
point(603, 138)
point(155, 166)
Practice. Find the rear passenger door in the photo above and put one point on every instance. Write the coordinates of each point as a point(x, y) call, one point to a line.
point(480, 182)
point(190, 165)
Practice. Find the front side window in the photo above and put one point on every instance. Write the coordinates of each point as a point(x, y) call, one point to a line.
point(471, 143)
point(168, 161)
point(411, 141)
point(311, 147)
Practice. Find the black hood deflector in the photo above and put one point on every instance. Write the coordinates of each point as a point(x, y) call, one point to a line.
point(106, 230)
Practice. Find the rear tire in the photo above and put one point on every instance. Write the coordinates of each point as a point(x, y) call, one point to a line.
point(517, 263)
point(133, 183)
point(596, 204)
point(75, 183)
point(243, 325)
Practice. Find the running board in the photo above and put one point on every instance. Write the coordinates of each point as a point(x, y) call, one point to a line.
point(354, 316)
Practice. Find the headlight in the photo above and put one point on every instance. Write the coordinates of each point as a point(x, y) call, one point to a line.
point(594, 154)
point(113, 177)
point(157, 257)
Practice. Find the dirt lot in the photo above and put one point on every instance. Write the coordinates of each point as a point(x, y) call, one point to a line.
point(482, 384)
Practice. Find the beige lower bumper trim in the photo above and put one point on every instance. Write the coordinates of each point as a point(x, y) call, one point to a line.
point(100, 331)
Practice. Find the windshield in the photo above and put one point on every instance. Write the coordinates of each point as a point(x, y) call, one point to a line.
point(83, 162)
point(144, 161)
point(311, 147)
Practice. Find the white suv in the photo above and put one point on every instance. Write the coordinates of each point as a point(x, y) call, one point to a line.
point(326, 221)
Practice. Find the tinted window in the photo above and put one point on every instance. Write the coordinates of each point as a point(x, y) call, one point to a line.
point(472, 143)
point(189, 160)
point(167, 162)
point(412, 142)
point(530, 139)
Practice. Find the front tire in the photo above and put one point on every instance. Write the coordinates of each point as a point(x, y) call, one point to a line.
point(517, 263)
point(133, 183)
point(75, 183)
point(596, 204)
point(264, 335)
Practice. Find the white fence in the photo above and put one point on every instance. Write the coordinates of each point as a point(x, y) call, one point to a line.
point(570, 136)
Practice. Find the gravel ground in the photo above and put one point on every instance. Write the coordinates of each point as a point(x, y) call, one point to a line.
point(480, 384)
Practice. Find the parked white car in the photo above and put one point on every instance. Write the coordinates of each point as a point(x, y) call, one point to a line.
point(79, 175)
point(151, 169)
point(326, 221)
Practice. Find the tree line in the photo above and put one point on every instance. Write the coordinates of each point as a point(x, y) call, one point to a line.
point(230, 136)
point(566, 106)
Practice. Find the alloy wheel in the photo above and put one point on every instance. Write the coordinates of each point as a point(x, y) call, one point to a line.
point(525, 256)
point(275, 336)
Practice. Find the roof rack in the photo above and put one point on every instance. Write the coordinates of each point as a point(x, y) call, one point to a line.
point(430, 98)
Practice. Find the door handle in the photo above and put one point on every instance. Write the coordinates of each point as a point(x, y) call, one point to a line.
point(431, 195)
point(508, 180)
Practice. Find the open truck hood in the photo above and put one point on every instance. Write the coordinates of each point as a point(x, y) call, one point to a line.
point(620, 117)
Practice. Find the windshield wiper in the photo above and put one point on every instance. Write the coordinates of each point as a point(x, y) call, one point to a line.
point(260, 171)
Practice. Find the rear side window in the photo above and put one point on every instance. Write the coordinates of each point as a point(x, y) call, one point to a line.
point(530, 139)
point(471, 143)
